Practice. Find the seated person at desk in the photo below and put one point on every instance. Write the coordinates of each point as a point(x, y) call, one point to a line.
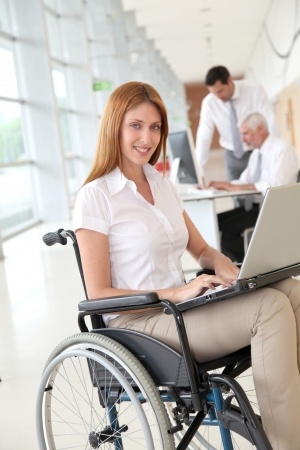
point(273, 163)
point(132, 231)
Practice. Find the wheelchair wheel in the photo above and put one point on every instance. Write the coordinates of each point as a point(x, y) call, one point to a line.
point(95, 394)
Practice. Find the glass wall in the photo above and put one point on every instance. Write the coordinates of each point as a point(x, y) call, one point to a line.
point(17, 200)
point(59, 25)
point(60, 60)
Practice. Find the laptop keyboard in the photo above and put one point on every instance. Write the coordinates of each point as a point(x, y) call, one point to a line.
point(218, 288)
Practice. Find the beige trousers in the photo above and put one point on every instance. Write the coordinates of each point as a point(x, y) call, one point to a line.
point(269, 320)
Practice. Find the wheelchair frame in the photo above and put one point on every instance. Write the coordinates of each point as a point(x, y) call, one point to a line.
point(179, 379)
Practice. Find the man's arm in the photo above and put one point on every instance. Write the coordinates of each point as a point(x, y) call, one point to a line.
point(243, 183)
point(204, 136)
point(227, 186)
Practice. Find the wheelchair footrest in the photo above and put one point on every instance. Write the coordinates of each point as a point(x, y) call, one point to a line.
point(235, 421)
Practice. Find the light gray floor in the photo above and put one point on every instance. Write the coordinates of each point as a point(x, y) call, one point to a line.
point(39, 291)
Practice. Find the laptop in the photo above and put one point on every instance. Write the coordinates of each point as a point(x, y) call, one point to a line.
point(274, 249)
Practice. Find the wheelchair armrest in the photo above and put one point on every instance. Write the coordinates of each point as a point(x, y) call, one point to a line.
point(205, 271)
point(119, 302)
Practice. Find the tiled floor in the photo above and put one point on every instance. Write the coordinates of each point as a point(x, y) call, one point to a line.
point(39, 291)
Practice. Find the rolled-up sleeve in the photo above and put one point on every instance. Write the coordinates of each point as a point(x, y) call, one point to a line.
point(91, 210)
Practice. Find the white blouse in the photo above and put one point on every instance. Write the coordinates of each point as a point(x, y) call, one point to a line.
point(146, 241)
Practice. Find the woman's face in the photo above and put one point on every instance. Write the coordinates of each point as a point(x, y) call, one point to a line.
point(140, 134)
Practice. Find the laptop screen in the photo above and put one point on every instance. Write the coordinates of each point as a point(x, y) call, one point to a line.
point(275, 242)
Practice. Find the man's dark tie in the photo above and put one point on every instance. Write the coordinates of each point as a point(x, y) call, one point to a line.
point(237, 143)
point(257, 172)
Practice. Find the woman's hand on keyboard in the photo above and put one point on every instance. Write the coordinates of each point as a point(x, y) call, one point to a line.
point(225, 269)
point(198, 286)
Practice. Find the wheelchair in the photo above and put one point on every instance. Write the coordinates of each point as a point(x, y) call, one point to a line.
point(112, 388)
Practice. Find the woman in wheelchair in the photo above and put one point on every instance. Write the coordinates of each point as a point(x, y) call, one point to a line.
point(132, 231)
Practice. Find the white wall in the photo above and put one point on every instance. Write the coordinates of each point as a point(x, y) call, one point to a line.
point(282, 23)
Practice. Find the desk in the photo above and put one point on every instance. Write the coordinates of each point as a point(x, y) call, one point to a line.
point(200, 206)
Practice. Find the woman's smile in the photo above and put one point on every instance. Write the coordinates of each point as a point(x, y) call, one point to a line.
point(143, 150)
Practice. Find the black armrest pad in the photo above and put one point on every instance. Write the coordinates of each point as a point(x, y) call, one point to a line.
point(212, 272)
point(121, 301)
point(205, 271)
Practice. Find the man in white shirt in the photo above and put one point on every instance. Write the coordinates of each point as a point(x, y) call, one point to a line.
point(227, 103)
point(273, 163)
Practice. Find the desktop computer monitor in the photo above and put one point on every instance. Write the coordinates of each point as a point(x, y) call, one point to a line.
point(184, 168)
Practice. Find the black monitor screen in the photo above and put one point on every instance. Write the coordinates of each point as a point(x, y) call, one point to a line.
point(181, 146)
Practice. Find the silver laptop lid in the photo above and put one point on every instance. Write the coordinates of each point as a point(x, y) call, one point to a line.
point(275, 242)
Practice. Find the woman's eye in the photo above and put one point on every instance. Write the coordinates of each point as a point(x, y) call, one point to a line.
point(135, 125)
point(156, 127)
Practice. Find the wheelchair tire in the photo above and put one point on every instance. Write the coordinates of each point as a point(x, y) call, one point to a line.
point(95, 394)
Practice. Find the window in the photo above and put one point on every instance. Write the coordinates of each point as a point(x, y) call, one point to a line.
point(60, 88)
point(5, 22)
point(11, 136)
point(53, 27)
point(17, 199)
point(67, 129)
point(8, 82)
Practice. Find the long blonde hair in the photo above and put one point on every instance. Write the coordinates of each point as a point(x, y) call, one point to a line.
point(122, 99)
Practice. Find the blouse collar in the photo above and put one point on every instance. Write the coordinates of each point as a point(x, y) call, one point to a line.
point(116, 180)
